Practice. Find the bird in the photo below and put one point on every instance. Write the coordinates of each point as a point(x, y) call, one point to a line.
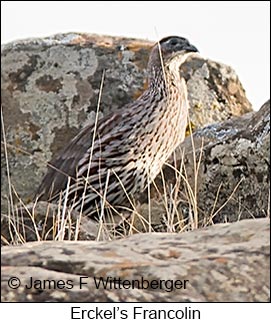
point(122, 154)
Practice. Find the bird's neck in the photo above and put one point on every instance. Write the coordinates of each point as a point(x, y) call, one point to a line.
point(167, 75)
point(165, 80)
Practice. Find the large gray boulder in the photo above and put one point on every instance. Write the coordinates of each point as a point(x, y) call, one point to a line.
point(225, 174)
point(232, 182)
point(50, 90)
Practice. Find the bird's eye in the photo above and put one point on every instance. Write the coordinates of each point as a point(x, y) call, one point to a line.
point(173, 42)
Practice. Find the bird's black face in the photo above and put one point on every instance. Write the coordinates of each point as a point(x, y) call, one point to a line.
point(168, 48)
point(174, 44)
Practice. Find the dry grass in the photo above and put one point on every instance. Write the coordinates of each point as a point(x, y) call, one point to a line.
point(61, 222)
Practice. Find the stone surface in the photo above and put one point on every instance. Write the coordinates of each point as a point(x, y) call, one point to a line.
point(222, 263)
point(50, 90)
point(233, 177)
point(232, 181)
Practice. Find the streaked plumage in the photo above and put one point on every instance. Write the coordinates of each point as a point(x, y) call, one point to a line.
point(131, 145)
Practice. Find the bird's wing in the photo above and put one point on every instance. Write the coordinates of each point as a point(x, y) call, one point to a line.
point(76, 155)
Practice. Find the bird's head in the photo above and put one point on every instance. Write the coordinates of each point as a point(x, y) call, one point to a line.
point(169, 49)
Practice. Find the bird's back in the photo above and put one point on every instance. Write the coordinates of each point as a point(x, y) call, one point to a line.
point(127, 149)
point(83, 156)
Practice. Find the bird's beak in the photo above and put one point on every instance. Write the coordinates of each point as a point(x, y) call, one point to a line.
point(190, 48)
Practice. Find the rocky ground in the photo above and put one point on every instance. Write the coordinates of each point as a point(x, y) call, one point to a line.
point(223, 263)
point(49, 91)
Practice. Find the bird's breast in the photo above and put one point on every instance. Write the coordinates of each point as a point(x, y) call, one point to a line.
point(164, 132)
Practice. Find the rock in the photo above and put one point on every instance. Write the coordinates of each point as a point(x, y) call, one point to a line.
point(233, 183)
point(232, 180)
point(222, 263)
point(234, 170)
point(50, 90)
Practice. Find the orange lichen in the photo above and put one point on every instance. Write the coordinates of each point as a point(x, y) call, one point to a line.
point(138, 45)
point(189, 126)
point(139, 92)
point(221, 260)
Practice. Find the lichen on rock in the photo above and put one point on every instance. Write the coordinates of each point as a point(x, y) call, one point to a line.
point(50, 90)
